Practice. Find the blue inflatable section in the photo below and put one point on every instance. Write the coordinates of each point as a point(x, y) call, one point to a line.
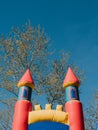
point(47, 125)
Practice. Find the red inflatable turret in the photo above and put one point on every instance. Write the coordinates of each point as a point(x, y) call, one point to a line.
point(73, 106)
point(23, 105)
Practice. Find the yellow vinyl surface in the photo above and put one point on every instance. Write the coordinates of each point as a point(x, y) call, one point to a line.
point(48, 115)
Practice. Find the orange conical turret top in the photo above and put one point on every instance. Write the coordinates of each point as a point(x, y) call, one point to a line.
point(26, 80)
point(70, 79)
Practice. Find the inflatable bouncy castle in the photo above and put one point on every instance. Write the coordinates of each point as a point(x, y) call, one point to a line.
point(27, 117)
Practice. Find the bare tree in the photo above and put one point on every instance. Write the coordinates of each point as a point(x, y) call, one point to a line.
point(91, 114)
point(29, 47)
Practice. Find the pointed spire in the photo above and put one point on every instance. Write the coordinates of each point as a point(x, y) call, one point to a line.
point(70, 79)
point(26, 80)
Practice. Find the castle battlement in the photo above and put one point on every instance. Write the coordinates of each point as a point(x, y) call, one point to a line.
point(48, 114)
point(48, 107)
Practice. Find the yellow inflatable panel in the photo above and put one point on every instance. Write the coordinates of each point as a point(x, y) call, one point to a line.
point(48, 115)
point(37, 107)
point(48, 106)
point(59, 107)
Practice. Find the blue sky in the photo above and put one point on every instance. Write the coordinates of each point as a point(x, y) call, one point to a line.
point(71, 24)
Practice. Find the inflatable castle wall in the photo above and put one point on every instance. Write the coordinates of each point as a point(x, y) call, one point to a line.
point(25, 118)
